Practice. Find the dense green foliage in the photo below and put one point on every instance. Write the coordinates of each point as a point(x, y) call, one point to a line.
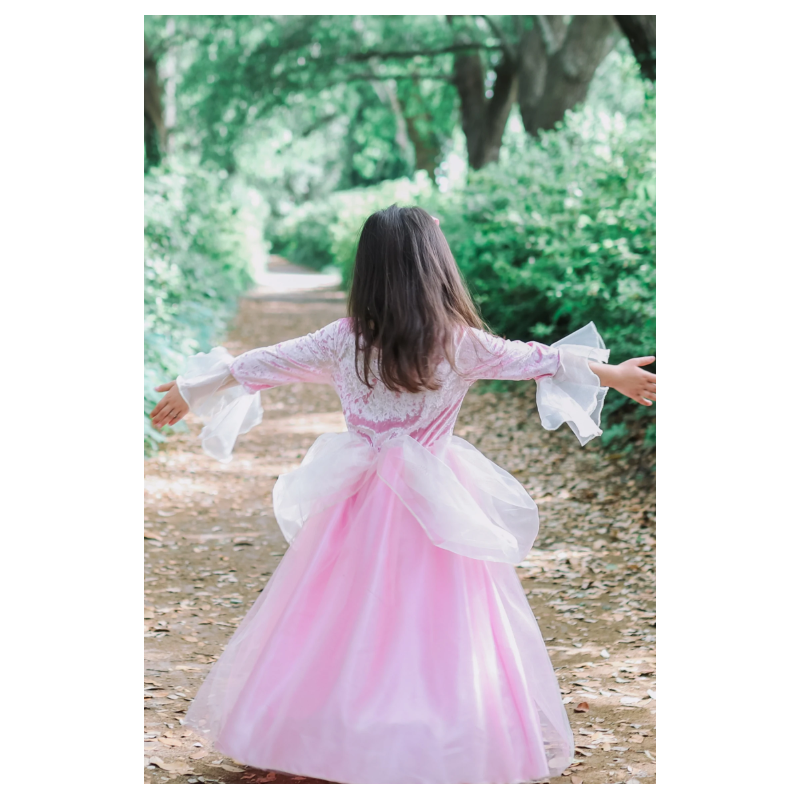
point(576, 242)
point(324, 233)
point(194, 271)
point(242, 70)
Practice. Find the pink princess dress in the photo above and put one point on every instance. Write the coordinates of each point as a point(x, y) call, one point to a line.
point(394, 643)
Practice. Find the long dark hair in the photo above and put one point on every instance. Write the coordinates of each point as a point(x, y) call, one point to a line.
point(407, 299)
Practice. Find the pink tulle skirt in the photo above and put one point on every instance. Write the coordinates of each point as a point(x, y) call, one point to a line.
point(374, 656)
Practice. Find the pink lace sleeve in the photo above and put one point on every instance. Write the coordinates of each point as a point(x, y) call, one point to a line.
point(567, 390)
point(484, 356)
point(307, 359)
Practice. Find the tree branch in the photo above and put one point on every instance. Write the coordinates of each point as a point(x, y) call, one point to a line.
point(401, 76)
point(589, 39)
point(533, 65)
point(406, 54)
point(641, 33)
point(498, 32)
point(154, 130)
point(554, 30)
point(504, 94)
point(307, 131)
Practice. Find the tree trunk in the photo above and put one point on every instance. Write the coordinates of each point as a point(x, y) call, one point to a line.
point(554, 29)
point(484, 120)
point(548, 71)
point(532, 70)
point(641, 33)
point(504, 95)
point(552, 82)
point(427, 150)
point(468, 79)
point(169, 69)
point(154, 129)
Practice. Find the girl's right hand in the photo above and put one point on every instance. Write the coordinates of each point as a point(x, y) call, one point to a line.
point(171, 408)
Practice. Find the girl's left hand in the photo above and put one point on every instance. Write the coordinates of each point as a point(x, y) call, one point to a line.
point(171, 408)
point(631, 380)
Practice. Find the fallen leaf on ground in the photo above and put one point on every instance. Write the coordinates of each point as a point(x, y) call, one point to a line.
point(582, 706)
point(175, 767)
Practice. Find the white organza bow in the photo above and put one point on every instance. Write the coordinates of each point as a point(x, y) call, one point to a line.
point(464, 502)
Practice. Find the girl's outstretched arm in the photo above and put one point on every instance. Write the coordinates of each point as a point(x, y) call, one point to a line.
point(304, 359)
point(223, 391)
point(629, 378)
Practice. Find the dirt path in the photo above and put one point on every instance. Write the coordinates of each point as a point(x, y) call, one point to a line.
point(212, 542)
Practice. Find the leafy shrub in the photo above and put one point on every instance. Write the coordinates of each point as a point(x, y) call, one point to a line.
point(325, 233)
point(561, 232)
point(195, 268)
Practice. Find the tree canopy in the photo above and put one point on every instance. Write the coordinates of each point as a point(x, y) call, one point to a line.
point(403, 80)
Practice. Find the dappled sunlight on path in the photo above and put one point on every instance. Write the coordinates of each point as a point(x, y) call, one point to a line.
point(282, 278)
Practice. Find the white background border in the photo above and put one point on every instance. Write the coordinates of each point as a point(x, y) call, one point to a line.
point(72, 324)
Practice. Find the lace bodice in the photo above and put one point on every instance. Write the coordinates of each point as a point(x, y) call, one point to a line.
point(378, 414)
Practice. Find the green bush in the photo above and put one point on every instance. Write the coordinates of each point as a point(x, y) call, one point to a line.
point(325, 233)
point(195, 268)
point(561, 232)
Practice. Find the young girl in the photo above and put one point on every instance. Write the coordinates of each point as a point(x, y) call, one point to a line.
point(395, 644)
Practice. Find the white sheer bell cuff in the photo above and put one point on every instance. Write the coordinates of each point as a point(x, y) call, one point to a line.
point(574, 394)
point(221, 402)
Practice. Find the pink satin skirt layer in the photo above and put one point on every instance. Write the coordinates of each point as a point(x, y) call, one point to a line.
point(375, 656)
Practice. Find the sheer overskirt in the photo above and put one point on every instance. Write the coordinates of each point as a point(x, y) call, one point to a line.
point(374, 656)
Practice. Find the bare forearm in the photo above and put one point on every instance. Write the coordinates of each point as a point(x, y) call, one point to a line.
point(628, 378)
point(606, 372)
